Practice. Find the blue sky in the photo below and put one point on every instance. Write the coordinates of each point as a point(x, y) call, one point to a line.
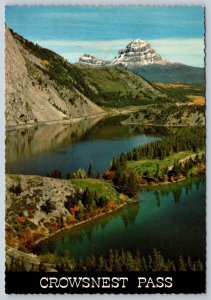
point(177, 33)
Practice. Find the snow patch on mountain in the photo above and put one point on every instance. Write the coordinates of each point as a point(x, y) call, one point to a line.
point(138, 53)
point(93, 61)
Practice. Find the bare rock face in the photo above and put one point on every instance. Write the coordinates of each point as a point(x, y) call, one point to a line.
point(25, 212)
point(26, 101)
point(16, 79)
point(138, 52)
point(31, 96)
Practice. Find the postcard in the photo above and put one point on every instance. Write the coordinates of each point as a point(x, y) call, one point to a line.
point(105, 150)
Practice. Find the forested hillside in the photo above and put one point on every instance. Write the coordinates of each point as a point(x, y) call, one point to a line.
point(45, 87)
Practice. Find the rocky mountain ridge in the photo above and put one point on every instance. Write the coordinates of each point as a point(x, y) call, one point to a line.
point(138, 53)
point(141, 58)
point(41, 86)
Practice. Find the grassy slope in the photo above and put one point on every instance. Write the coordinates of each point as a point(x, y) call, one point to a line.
point(181, 92)
point(117, 87)
point(150, 165)
point(102, 187)
point(106, 86)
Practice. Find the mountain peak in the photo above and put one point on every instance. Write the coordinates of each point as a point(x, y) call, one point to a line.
point(88, 59)
point(138, 44)
point(138, 52)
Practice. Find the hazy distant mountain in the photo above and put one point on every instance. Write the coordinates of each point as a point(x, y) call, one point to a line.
point(41, 86)
point(145, 61)
point(93, 61)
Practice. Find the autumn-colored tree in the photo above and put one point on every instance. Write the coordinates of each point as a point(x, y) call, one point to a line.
point(108, 175)
point(45, 62)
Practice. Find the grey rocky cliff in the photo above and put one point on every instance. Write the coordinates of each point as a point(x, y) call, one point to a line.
point(31, 96)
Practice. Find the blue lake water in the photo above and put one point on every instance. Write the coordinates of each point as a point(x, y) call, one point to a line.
point(170, 218)
point(70, 147)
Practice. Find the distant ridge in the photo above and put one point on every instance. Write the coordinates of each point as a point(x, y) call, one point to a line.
point(145, 61)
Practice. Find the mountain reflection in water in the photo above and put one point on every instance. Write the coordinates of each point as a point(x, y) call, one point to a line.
point(69, 147)
point(25, 143)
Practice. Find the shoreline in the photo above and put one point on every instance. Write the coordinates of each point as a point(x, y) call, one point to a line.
point(103, 214)
point(45, 123)
point(129, 202)
point(112, 112)
point(164, 183)
point(106, 112)
point(159, 125)
point(168, 182)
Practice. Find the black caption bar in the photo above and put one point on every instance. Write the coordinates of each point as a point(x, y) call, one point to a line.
point(104, 282)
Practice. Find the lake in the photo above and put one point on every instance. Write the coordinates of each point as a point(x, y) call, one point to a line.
point(70, 147)
point(170, 218)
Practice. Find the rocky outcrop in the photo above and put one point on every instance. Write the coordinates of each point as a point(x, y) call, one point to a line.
point(31, 95)
point(18, 261)
point(169, 116)
point(35, 208)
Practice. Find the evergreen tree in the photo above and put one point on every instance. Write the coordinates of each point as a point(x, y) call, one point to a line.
point(181, 264)
point(101, 264)
point(90, 170)
point(56, 173)
point(144, 264)
point(137, 262)
point(117, 263)
point(158, 261)
point(132, 185)
point(80, 265)
point(129, 262)
point(87, 199)
point(157, 173)
point(80, 213)
point(199, 266)
point(111, 261)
